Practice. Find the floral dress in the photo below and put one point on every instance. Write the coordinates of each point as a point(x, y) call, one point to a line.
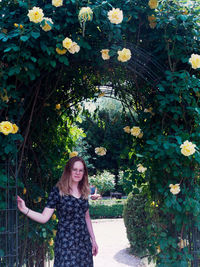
point(72, 244)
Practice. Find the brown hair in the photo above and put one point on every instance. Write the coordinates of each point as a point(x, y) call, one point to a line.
point(64, 183)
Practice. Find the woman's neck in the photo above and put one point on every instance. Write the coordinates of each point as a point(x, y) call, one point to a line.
point(75, 190)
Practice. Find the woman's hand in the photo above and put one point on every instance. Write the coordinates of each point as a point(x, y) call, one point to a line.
point(94, 248)
point(21, 205)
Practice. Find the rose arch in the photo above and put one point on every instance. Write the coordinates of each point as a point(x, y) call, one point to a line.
point(57, 53)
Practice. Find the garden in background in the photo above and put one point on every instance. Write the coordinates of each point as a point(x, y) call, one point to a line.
point(117, 83)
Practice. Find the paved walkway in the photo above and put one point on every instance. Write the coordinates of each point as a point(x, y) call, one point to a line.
point(113, 245)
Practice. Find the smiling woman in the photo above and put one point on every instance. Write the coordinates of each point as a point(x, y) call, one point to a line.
point(75, 241)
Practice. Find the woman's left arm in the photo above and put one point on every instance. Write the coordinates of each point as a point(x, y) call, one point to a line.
point(90, 230)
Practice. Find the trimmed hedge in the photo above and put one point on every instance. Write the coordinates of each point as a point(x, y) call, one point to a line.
point(137, 220)
point(106, 208)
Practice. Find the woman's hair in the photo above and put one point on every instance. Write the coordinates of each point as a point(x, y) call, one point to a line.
point(64, 182)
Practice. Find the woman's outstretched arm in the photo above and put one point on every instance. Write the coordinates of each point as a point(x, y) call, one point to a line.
point(36, 216)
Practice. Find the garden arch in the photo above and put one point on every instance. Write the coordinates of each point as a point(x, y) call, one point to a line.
point(33, 57)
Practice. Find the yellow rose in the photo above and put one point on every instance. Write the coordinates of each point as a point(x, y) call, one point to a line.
point(54, 217)
point(195, 61)
point(188, 148)
point(115, 15)
point(58, 106)
point(24, 191)
point(16, 25)
point(141, 168)
point(124, 55)
point(127, 129)
point(51, 242)
point(101, 94)
point(74, 48)
point(85, 14)
point(61, 51)
point(100, 151)
point(36, 14)
point(73, 154)
point(47, 27)
point(15, 129)
point(6, 127)
point(153, 4)
point(105, 54)
point(67, 42)
point(174, 188)
point(57, 3)
point(135, 131)
point(140, 135)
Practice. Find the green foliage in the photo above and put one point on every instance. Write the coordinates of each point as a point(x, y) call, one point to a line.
point(138, 219)
point(106, 208)
point(103, 181)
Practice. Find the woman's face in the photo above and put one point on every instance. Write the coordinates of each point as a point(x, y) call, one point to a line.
point(77, 172)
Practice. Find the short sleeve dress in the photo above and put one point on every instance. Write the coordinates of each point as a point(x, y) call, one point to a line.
point(73, 246)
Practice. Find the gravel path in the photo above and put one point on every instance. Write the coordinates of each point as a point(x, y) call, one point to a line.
point(113, 245)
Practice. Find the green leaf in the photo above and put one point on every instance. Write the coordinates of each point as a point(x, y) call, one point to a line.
point(8, 148)
point(53, 63)
point(14, 70)
point(64, 59)
point(35, 34)
point(24, 38)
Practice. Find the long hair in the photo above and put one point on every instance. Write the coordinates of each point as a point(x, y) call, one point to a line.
point(64, 183)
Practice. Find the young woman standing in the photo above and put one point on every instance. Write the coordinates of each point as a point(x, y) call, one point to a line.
point(75, 241)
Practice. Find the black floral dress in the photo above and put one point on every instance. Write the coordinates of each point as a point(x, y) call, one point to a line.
point(72, 244)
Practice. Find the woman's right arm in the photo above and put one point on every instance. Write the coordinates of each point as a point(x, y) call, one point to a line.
point(36, 216)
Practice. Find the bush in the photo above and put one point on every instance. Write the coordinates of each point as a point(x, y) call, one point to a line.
point(103, 181)
point(137, 220)
point(106, 208)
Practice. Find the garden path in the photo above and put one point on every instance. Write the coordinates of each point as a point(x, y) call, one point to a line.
point(113, 245)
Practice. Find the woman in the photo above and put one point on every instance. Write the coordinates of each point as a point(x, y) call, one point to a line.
point(75, 241)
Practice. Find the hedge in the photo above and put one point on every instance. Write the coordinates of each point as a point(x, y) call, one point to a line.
point(106, 208)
